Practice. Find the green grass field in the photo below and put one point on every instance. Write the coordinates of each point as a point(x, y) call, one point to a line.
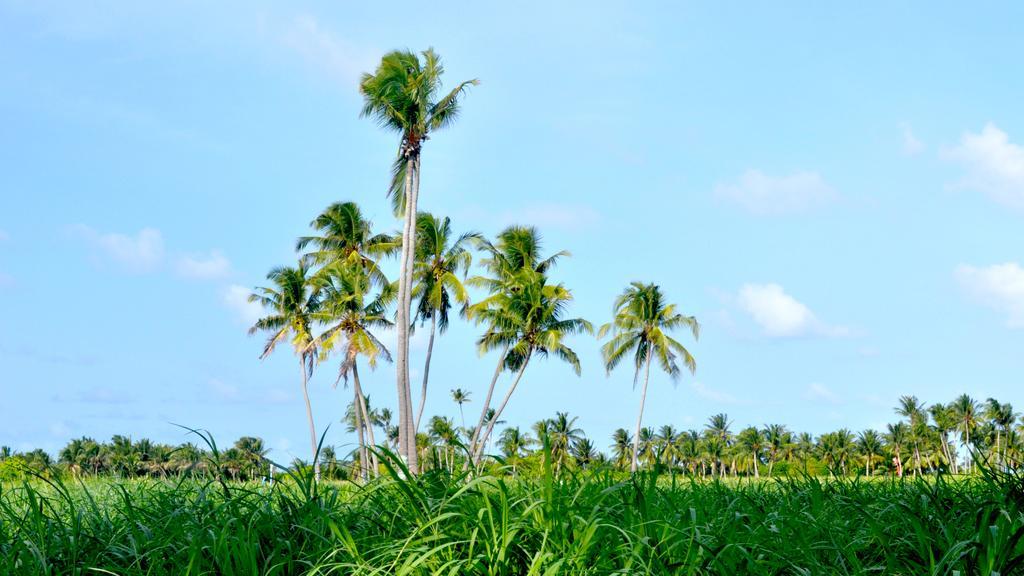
point(580, 524)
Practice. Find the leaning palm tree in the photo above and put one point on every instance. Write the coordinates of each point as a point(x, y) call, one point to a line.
point(966, 410)
point(353, 311)
point(293, 303)
point(642, 321)
point(515, 253)
point(526, 321)
point(440, 260)
point(404, 96)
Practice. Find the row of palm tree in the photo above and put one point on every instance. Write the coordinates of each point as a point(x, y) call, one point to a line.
point(246, 459)
point(968, 432)
point(927, 439)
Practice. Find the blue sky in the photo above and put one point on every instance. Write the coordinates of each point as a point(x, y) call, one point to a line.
point(836, 192)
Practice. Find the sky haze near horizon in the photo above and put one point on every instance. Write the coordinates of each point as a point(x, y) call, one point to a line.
point(837, 193)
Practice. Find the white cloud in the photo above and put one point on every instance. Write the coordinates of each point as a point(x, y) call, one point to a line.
point(765, 195)
point(209, 267)
point(822, 393)
point(141, 253)
point(1000, 287)
point(236, 298)
point(704, 391)
point(911, 145)
point(780, 315)
point(994, 165)
point(323, 50)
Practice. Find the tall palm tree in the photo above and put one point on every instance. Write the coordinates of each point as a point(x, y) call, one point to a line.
point(778, 440)
point(562, 433)
point(439, 262)
point(1002, 417)
point(460, 397)
point(717, 429)
point(966, 410)
point(293, 303)
point(945, 422)
point(896, 438)
point(515, 251)
point(869, 444)
point(404, 96)
point(669, 446)
point(353, 311)
point(642, 321)
point(526, 322)
point(914, 411)
point(752, 441)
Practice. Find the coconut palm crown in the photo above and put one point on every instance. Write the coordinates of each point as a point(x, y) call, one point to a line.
point(641, 322)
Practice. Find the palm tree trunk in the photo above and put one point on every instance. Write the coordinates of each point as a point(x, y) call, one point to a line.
point(490, 425)
point(640, 415)
point(410, 263)
point(999, 458)
point(402, 318)
point(756, 473)
point(487, 401)
point(426, 369)
point(366, 417)
point(309, 416)
point(967, 446)
point(364, 467)
point(406, 435)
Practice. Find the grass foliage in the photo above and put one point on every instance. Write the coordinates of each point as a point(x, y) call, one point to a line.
point(584, 523)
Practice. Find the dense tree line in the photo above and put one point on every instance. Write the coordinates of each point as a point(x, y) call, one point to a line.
point(946, 438)
point(125, 458)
